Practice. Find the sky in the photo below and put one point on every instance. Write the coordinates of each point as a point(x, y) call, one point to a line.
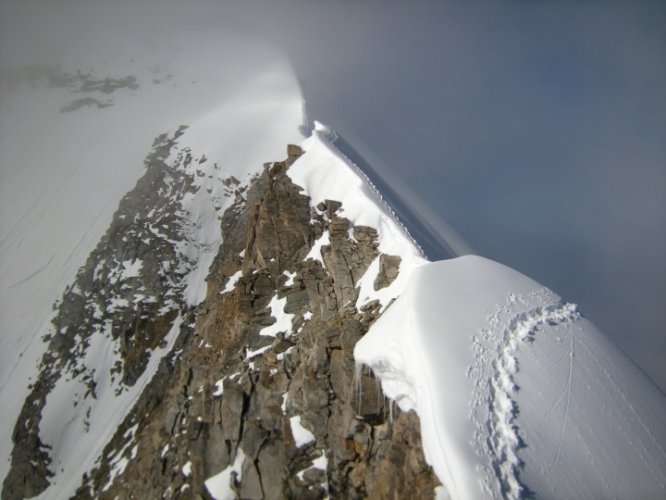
point(534, 132)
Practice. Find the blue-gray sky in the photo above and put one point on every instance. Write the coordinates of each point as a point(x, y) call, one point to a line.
point(536, 129)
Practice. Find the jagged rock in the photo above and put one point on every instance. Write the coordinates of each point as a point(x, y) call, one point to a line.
point(389, 267)
point(329, 207)
point(293, 152)
point(226, 391)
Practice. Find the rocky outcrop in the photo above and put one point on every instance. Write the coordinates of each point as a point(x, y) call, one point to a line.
point(259, 394)
point(129, 290)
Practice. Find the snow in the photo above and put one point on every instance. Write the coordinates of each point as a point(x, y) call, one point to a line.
point(283, 319)
point(315, 251)
point(231, 282)
point(302, 436)
point(252, 353)
point(367, 290)
point(219, 485)
point(321, 462)
point(131, 269)
point(325, 173)
point(64, 173)
point(219, 388)
point(78, 432)
point(290, 278)
point(187, 468)
point(516, 392)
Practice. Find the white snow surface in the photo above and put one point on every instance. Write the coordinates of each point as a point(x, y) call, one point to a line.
point(516, 392)
point(231, 282)
point(315, 251)
point(326, 174)
point(219, 485)
point(78, 428)
point(63, 174)
point(283, 320)
point(302, 436)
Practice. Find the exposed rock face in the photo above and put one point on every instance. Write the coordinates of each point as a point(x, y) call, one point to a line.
point(278, 406)
point(129, 289)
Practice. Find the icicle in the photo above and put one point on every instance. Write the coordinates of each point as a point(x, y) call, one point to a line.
point(357, 394)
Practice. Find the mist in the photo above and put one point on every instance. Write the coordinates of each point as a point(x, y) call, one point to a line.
point(531, 133)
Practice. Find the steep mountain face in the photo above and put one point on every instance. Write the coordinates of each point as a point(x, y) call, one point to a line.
point(147, 392)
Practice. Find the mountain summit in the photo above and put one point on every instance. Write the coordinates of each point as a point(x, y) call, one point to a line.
point(237, 338)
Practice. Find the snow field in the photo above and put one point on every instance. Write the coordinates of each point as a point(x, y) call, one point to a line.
point(552, 407)
point(64, 173)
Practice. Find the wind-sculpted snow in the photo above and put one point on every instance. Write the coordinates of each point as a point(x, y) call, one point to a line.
point(517, 394)
point(494, 366)
point(326, 174)
point(434, 246)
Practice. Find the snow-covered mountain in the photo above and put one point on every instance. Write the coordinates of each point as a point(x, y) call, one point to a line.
point(518, 394)
point(185, 316)
point(65, 168)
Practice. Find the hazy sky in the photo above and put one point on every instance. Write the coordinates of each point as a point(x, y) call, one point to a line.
point(536, 129)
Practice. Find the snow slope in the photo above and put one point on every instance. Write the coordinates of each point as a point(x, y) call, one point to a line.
point(517, 394)
point(63, 173)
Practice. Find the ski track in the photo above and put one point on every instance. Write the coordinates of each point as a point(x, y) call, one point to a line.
point(618, 391)
point(33, 274)
point(493, 407)
point(568, 400)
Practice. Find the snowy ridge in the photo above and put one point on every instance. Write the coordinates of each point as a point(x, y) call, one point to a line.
point(499, 435)
point(325, 174)
point(553, 408)
point(332, 137)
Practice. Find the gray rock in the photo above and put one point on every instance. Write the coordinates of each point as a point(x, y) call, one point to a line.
point(308, 371)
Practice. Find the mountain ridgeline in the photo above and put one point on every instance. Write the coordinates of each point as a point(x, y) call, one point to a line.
point(252, 393)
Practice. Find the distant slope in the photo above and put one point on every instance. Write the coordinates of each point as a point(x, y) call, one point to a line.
point(517, 394)
point(73, 138)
